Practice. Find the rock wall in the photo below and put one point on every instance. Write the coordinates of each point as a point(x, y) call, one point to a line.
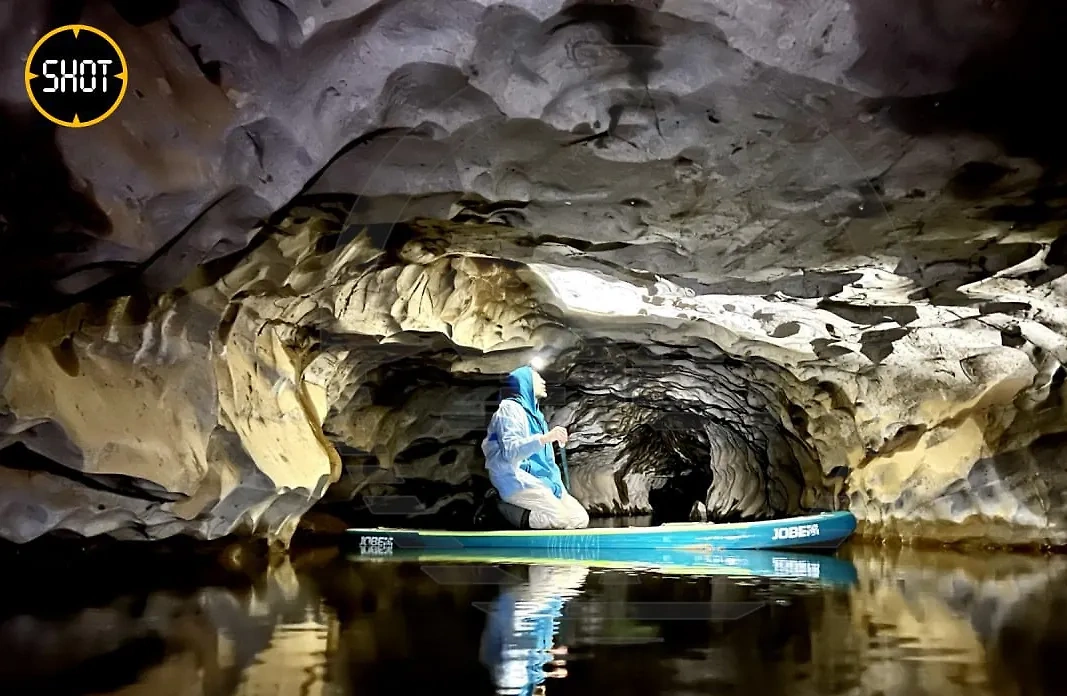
point(147, 418)
point(327, 356)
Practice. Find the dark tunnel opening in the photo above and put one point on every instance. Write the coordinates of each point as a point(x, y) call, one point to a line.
point(687, 427)
point(678, 443)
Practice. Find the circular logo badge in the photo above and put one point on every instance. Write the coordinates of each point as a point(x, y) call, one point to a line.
point(76, 76)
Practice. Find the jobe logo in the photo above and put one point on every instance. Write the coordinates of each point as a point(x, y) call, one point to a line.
point(789, 566)
point(76, 76)
point(799, 531)
point(380, 545)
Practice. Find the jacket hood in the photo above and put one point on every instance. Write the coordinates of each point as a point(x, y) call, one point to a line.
point(520, 386)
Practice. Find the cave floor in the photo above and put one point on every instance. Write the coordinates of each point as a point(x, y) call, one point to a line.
point(865, 620)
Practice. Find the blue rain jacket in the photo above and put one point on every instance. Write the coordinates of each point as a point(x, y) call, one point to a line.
point(514, 455)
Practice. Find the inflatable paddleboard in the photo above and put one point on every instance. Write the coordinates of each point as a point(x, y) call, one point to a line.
point(826, 530)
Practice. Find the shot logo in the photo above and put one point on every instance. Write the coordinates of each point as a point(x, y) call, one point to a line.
point(76, 76)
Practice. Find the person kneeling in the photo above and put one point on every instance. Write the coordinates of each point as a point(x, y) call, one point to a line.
point(519, 457)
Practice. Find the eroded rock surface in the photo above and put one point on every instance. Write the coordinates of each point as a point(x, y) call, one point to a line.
point(785, 256)
point(328, 356)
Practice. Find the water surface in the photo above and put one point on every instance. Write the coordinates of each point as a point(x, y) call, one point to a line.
point(871, 621)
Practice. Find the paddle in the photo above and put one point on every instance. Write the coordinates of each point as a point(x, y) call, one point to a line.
point(563, 466)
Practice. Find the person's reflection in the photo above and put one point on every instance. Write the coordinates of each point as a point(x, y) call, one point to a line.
point(517, 644)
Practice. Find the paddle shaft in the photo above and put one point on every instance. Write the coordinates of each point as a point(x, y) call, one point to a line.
point(563, 466)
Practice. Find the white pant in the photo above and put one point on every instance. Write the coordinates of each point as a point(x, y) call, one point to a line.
point(549, 512)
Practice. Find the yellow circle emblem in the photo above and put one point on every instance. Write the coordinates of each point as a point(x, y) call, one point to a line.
point(76, 76)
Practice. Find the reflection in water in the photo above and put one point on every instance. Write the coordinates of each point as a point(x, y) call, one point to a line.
point(914, 623)
point(522, 623)
point(261, 634)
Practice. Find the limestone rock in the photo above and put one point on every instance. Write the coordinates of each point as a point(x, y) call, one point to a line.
point(164, 420)
point(719, 109)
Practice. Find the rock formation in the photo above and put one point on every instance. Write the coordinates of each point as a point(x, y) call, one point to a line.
point(782, 258)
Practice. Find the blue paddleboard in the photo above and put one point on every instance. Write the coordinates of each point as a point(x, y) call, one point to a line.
point(826, 530)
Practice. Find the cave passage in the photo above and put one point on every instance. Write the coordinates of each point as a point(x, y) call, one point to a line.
point(679, 437)
point(677, 446)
